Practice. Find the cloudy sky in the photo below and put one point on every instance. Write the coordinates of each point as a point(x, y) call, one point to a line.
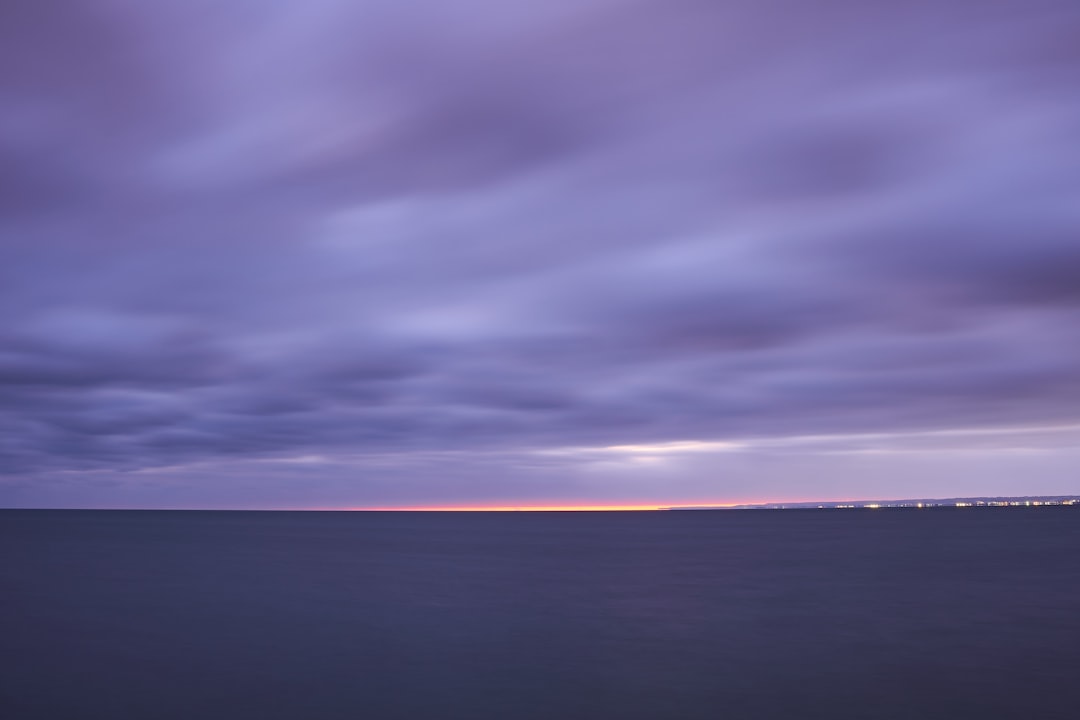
point(341, 253)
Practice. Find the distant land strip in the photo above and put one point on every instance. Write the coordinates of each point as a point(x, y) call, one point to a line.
point(1023, 501)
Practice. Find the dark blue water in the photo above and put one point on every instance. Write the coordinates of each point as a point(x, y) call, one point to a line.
point(794, 614)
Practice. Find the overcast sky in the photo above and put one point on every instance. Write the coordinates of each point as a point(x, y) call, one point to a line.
point(342, 253)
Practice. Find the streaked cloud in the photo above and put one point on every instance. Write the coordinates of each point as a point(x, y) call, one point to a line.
point(479, 250)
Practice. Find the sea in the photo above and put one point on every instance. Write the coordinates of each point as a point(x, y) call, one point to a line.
point(159, 615)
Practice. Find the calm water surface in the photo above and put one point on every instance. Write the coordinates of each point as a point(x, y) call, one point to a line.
point(971, 613)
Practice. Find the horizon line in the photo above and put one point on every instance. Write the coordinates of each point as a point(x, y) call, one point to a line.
point(637, 507)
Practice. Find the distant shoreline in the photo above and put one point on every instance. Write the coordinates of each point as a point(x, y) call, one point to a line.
point(913, 504)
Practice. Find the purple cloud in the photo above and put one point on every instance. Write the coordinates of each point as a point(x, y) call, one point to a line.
point(328, 253)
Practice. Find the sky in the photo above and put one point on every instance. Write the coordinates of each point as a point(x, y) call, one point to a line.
point(449, 253)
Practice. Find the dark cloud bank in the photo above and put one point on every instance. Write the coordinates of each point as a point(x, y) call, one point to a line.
point(328, 253)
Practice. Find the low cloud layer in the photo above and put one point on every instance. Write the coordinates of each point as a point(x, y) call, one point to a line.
point(331, 253)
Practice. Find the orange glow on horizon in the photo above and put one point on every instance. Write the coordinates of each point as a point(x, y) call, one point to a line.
point(518, 508)
point(552, 508)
